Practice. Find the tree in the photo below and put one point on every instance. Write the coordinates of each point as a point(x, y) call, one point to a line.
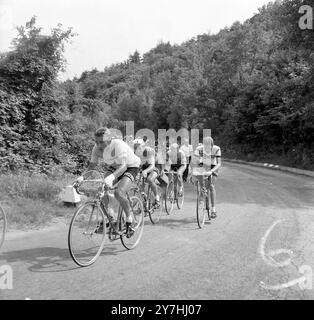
point(28, 76)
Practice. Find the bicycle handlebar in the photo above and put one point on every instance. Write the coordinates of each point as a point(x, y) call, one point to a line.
point(202, 174)
point(205, 174)
point(171, 172)
point(106, 188)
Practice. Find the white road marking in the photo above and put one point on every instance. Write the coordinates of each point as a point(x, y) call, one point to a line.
point(305, 282)
point(268, 258)
point(284, 285)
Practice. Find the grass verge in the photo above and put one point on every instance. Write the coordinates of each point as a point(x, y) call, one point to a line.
point(31, 200)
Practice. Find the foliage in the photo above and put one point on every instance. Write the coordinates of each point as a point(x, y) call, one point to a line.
point(251, 83)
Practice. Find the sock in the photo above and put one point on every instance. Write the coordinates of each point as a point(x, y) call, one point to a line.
point(157, 197)
point(213, 209)
point(129, 219)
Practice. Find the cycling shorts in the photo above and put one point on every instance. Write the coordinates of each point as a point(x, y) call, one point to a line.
point(130, 172)
point(175, 167)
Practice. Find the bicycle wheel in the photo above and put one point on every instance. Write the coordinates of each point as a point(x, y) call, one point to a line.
point(180, 199)
point(86, 237)
point(154, 213)
point(169, 198)
point(3, 226)
point(137, 213)
point(200, 207)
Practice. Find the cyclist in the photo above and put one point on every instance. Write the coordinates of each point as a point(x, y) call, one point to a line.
point(188, 151)
point(177, 160)
point(161, 177)
point(209, 159)
point(149, 171)
point(122, 168)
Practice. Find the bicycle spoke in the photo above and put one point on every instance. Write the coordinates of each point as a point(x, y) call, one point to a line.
point(169, 199)
point(87, 234)
point(138, 224)
point(200, 207)
point(154, 212)
point(180, 199)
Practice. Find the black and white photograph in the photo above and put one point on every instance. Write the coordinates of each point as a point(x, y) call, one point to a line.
point(158, 151)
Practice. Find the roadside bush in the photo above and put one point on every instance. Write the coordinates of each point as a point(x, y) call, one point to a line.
point(30, 199)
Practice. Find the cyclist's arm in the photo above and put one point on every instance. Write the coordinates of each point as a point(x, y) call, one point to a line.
point(150, 168)
point(218, 165)
point(151, 161)
point(196, 158)
point(183, 161)
point(121, 161)
point(93, 162)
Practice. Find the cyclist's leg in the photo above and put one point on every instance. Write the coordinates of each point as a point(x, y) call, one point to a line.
point(180, 178)
point(186, 171)
point(125, 184)
point(151, 181)
point(143, 184)
point(105, 201)
point(212, 189)
point(163, 181)
point(170, 174)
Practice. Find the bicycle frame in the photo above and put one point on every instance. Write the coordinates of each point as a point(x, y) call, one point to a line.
point(103, 191)
point(94, 227)
point(173, 176)
point(140, 187)
point(204, 175)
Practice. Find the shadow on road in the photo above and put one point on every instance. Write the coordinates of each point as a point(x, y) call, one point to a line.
point(49, 259)
point(176, 222)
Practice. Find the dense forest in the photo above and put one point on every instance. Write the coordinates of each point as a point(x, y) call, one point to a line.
point(251, 83)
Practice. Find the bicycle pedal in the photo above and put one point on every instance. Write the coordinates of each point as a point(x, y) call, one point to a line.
point(130, 233)
point(114, 238)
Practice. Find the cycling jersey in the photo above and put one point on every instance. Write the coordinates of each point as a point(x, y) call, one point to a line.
point(146, 155)
point(176, 158)
point(213, 156)
point(159, 162)
point(115, 154)
point(188, 150)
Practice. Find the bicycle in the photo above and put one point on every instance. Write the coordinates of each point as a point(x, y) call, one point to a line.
point(3, 226)
point(172, 194)
point(91, 220)
point(146, 194)
point(202, 206)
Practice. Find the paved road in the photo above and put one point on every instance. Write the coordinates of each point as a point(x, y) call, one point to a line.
point(259, 210)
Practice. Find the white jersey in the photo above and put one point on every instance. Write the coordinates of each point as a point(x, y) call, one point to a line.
point(115, 154)
point(213, 156)
point(146, 154)
point(176, 158)
point(188, 150)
